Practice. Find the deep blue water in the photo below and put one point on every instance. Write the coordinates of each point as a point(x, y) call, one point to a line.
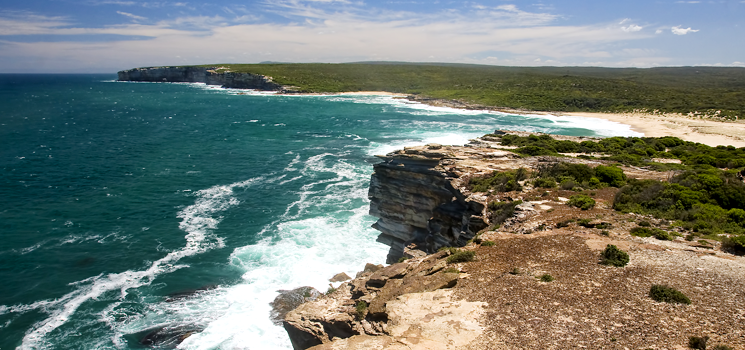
point(115, 195)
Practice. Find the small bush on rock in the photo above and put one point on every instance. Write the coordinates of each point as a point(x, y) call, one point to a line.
point(546, 278)
point(461, 256)
point(614, 257)
point(667, 294)
point(361, 309)
point(488, 243)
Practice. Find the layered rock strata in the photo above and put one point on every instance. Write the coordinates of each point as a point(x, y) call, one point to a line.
point(417, 195)
point(207, 75)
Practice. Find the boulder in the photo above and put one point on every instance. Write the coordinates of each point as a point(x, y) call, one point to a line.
point(288, 300)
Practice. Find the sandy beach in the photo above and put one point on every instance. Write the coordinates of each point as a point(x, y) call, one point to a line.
point(705, 131)
point(708, 132)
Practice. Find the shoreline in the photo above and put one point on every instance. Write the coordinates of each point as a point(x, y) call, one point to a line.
point(705, 131)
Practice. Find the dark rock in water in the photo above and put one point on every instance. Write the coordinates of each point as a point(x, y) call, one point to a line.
point(288, 300)
point(340, 277)
point(188, 293)
point(168, 337)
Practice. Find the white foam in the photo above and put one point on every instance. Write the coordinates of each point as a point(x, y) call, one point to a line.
point(323, 232)
point(198, 220)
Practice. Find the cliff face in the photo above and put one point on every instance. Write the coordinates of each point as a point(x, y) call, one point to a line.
point(209, 76)
point(416, 196)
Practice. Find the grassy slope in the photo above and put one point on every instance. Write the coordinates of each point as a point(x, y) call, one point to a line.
point(679, 89)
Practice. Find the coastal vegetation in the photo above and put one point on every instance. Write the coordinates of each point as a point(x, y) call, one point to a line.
point(704, 195)
point(700, 91)
point(663, 293)
point(614, 257)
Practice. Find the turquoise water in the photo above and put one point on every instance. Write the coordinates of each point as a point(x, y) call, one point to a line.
point(114, 197)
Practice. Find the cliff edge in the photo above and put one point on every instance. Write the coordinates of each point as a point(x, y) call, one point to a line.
point(528, 279)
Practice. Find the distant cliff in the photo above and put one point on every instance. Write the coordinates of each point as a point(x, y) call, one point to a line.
point(208, 75)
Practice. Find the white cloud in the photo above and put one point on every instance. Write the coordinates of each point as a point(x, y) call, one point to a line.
point(349, 34)
point(658, 31)
point(677, 30)
point(135, 17)
point(632, 28)
point(23, 23)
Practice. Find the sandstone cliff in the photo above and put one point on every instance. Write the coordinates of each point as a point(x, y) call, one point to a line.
point(415, 193)
point(503, 299)
point(207, 75)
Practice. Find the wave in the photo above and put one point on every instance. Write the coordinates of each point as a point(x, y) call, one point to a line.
point(198, 221)
point(325, 230)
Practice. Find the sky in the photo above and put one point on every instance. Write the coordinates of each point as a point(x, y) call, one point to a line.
point(105, 36)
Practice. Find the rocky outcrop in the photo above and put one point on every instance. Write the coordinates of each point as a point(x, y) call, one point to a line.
point(207, 75)
point(415, 194)
point(375, 304)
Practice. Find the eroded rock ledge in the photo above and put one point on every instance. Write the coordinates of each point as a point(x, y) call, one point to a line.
point(208, 75)
point(410, 307)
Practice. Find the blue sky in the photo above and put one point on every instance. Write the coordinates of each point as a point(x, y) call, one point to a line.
point(58, 36)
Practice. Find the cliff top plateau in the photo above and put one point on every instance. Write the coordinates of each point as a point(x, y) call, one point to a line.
point(500, 250)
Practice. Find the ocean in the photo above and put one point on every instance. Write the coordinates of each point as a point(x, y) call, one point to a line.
point(132, 207)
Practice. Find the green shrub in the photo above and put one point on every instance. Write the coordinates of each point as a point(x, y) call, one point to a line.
point(452, 250)
point(644, 223)
point(698, 342)
point(544, 182)
point(505, 181)
point(735, 244)
point(402, 259)
point(546, 278)
point(488, 243)
point(667, 294)
point(451, 270)
point(361, 309)
point(611, 175)
point(501, 211)
point(649, 232)
point(330, 290)
point(581, 201)
point(461, 256)
point(605, 233)
point(515, 271)
point(614, 257)
point(603, 225)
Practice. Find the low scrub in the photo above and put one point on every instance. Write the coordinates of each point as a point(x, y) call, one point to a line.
point(547, 278)
point(461, 256)
point(614, 257)
point(500, 181)
point(581, 201)
point(501, 211)
point(667, 294)
point(735, 244)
